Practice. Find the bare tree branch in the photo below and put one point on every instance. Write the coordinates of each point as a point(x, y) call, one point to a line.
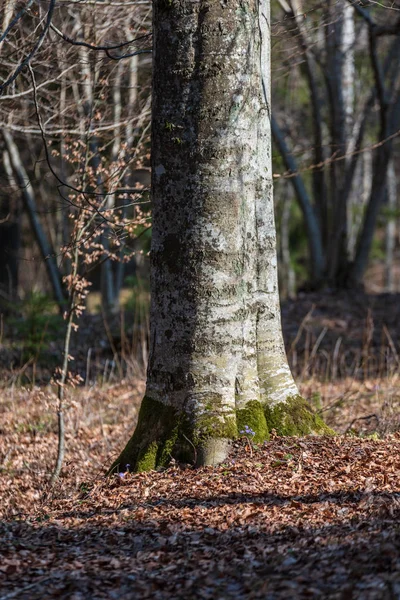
point(105, 49)
point(32, 53)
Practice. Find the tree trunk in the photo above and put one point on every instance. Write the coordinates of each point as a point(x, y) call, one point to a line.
point(390, 238)
point(319, 187)
point(29, 201)
point(314, 239)
point(10, 237)
point(383, 155)
point(217, 360)
point(339, 109)
point(287, 275)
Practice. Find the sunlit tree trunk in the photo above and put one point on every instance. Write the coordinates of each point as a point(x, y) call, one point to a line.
point(217, 360)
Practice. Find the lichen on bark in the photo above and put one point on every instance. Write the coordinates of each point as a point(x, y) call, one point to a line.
point(217, 360)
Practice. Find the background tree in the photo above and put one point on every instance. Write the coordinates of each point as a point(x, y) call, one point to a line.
point(350, 110)
point(335, 79)
point(81, 106)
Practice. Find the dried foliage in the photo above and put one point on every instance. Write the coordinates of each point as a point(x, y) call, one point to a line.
point(294, 518)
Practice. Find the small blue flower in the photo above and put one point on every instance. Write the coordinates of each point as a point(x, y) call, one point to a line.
point(247, 431)
point(121, 475)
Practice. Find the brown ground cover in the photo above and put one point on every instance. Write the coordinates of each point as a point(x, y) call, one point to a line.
point(293, 518)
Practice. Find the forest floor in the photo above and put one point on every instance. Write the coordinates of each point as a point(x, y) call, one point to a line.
point(293, 518)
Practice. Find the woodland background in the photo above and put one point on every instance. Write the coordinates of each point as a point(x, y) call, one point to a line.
point(75, 230)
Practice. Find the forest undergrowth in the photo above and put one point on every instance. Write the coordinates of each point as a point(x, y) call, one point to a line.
point(292, 518)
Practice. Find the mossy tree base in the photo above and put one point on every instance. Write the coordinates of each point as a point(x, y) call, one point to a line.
point(153, 440)
point(295, 417)
point(162, 433)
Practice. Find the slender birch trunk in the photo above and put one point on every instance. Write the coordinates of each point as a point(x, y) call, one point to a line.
point(287, 276)
point(217, 360)
point(390, 238)
point(348, 71)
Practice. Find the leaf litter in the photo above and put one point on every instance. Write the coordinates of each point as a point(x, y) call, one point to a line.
point(300, 518)
point(294, 518)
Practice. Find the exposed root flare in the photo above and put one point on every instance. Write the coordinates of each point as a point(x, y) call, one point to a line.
point(162, 433)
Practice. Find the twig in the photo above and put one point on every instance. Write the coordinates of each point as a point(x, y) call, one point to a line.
point(193, 446)
point(27, 60)
point(16, 593)
point(371, 416)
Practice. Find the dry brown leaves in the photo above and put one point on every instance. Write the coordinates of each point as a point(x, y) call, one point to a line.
point(302, 518)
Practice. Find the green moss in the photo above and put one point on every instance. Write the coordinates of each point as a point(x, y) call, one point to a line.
point(253, 416)
point(153, 440)
point(212, 425)
point(295, 417)
point(162, 432)
point(147, 461)
point(214, 422)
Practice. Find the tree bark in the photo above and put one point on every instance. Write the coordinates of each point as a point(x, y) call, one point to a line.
point(390, 238)
point(302, 35)
point(30, 205)
point(383, 155)
point(287, 275)
point(314, 238)
point(217, 360)
point(340, 109)
point(10, 237)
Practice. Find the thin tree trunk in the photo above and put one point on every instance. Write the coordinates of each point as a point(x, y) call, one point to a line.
point(287, 276)
point(30, 206)
point(318, 176)
point(390, 238)
point(217, 360)
point(310, 220)
point(9, 236)
point(90, 73)
point(9, 225)
point(339, 117)
point(383, 155)
point(348, 71)
point(371, 214)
